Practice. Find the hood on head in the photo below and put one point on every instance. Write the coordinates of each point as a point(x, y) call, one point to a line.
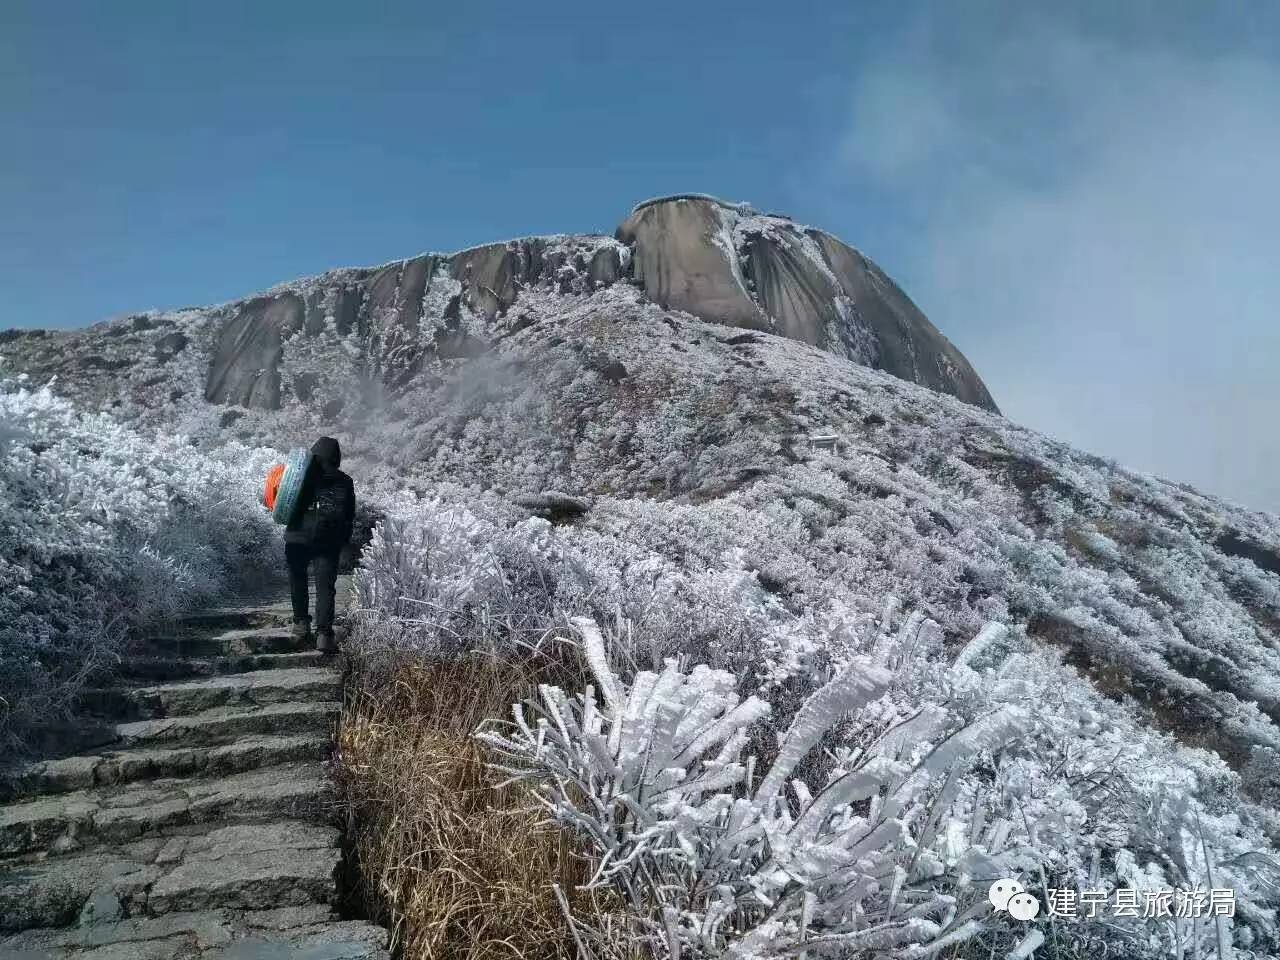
point(327, 451)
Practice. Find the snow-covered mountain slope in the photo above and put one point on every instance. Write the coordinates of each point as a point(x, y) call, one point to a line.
point(696, 437)
point(721, 262)
point(762, 443)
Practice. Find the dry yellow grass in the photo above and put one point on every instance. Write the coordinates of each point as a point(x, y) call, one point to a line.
point(455, 867)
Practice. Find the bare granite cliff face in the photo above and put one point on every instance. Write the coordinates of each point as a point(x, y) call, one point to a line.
point(729, 264)
point(381, 327)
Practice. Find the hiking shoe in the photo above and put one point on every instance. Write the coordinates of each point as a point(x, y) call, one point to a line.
point(301, 630)
point(326, 642)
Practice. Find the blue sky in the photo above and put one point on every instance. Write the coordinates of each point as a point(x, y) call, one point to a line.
point(165, 154)
point(1082, 198)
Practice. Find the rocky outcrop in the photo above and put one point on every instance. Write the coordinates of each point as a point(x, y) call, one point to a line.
point(350, 338)
point(606, 267)
point(492, 275)
point(801, 299)
point(728, 264)
point(245, 368)
point(683, 256)
point(907, 344)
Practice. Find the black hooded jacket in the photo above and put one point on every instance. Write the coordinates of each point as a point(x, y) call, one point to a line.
point(323, 475)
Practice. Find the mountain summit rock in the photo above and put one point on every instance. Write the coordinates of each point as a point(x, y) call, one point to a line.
point(729, 264)
point(723, 263)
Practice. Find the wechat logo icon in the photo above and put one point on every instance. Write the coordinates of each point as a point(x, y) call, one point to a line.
point(1011, 896)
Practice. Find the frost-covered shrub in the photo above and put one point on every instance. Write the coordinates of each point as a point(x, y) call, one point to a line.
point(445, 575)
point(718, 860)
point(932, 798)
point(1084, 796)
point(104, 530)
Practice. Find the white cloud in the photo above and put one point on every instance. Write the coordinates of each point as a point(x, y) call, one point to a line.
point(1101, 222)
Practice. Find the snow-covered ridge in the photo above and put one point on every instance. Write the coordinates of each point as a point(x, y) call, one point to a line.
point(725, 263)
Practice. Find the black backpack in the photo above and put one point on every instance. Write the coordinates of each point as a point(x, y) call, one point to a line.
point(326, 518)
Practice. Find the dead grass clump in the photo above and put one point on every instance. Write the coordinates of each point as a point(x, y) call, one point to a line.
point(455, 867)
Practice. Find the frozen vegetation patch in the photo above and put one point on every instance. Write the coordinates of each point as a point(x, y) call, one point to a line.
point(1166, 599)
point(757, 781)
point(105, 529)
point(688, 510)
point(691, 439)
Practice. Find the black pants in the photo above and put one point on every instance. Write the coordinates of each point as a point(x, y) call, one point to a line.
point(324, 560)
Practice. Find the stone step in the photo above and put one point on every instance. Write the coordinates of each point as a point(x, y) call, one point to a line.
point(258, 688)
point(236, 617)
point(222, 643)
point(71, 821)
point(158, 669)
point(200, 826)
point(235, 867)
point(127, 766)
point(298, 933)
point(224, 724)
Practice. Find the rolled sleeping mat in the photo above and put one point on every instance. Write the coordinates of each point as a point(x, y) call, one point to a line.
point(272, 486)
point(290, 491)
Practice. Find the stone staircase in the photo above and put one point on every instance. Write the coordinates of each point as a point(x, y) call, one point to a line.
point(205, 829)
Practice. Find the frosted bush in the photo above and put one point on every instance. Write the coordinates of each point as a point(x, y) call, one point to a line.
point(444, 575)
point(718, 861)
point(946, 777)
point(104, 531)
point(419, 580)
point(1081, 788)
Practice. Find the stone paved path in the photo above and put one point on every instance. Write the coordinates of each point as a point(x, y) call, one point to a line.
point(205, 830)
